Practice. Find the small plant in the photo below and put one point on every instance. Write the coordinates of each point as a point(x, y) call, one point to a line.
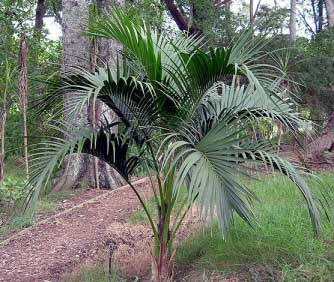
point(95, 273)
point(12, 190)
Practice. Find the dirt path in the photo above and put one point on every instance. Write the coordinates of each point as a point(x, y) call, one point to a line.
point(46, 251)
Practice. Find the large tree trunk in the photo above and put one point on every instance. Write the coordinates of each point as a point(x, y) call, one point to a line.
point(293, 22)
point(75, 54)
point(325, 142)
point(85, 169)
point(330, 12)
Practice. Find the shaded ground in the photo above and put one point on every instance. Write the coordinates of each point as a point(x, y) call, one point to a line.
point(48, 250)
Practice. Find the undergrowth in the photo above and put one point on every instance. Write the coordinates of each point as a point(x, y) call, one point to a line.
point(280, 247)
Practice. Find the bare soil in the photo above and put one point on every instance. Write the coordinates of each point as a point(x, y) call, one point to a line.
point(48, 250)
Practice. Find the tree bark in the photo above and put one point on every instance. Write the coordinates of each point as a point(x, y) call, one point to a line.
point(23, 95)
point(76, 46)
point(325, 142)
point(321, 15)
point(251, 12)
point(293, 22)
point(330, 12)
point(40, 12)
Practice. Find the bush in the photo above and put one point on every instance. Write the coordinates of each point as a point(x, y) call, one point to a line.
point(12, 190)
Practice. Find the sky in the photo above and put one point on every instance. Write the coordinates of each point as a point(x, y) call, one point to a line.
point(55, 29)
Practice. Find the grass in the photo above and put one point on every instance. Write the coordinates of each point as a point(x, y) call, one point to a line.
point(281, 247)
point(11, 219)
point(97, 273)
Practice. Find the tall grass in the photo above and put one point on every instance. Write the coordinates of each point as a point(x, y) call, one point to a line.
point(282, 240)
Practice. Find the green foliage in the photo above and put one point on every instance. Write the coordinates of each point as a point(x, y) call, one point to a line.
point(281, 240)
point(96, 273)
point(188, 115)
point(272, 20)
point(12, 190)
point(148, 11)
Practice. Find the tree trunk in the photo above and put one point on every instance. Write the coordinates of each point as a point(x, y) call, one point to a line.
point(293, 22)
point(321, 15)
point(251, 12)
point(107, 52)
point(76, 46)
point(23, 95)
point(3, 132)
point(40, 12)
point(330, 12)
point(325, 142)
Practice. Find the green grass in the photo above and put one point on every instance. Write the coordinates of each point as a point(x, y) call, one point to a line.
point(283, 239)
point(96, 273)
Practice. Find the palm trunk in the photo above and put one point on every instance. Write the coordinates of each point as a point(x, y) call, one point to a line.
point(23, 95)
point(162, 261)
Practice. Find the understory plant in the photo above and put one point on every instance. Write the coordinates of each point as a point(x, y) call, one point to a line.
point(184, 113)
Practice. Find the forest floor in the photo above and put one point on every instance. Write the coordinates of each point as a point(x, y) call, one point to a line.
point(57, 244)
point(80, 231)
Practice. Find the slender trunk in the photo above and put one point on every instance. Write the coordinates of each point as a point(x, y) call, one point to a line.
point(162, 260)
point(93, 106)
point(330, 12)
point(3, 135)
point(293, 22)
point(321, 14)
point(251, 12)
point(23, 95)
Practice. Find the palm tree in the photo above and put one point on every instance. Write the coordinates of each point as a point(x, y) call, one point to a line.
point(184, 115)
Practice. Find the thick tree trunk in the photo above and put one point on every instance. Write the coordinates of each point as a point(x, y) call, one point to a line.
point(76, 46)
point(293, 22)
point(325, 142)
point(330, 12)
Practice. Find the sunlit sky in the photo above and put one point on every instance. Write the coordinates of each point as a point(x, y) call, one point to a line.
point(55, 29)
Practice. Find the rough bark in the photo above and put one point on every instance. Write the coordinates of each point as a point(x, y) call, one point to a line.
point(106, 53)
point(293, 22)
point(75, 54)
point(325, 142)
point(40, 12)
point(330, 12)
point(23, 94)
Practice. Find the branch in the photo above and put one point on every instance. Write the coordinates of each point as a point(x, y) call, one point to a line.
point(179, 19)
point(221, 3)
point(305, 22)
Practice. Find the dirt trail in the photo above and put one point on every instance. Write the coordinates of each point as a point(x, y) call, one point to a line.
point(57, 245)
